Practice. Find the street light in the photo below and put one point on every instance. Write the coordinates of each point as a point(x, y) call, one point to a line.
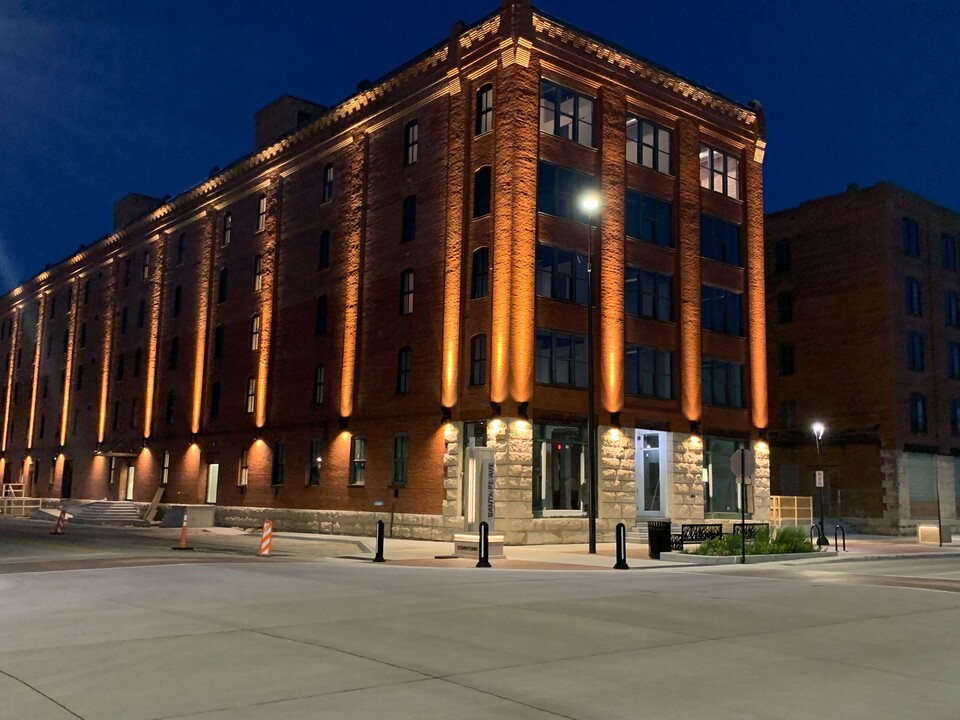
point(590, 204)
point(818, 429)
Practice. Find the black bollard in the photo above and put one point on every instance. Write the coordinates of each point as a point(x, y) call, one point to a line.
point(484, 549)
point(621, 548)
point(379, 556)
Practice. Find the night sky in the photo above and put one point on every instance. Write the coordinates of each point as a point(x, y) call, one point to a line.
point(101, 98)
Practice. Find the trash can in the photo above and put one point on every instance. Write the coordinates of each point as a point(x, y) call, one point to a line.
point(658, 537)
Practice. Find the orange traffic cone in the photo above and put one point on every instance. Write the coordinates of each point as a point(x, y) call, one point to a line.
point(183, 534)
point(266, 539)
point(58, 529)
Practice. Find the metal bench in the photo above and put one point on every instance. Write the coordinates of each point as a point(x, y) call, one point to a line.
point(750, 529)
point(695, 533)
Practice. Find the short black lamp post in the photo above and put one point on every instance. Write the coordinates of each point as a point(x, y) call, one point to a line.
point(818, 429)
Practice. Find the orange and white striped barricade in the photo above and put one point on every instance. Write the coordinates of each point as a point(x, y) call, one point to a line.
point(58, 528)
point(183, 534)
point(266, 539)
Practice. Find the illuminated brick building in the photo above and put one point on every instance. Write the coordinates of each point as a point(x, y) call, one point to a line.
point(864, 308)
point(397, 285)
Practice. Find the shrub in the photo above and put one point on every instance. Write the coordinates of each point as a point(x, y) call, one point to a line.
point(788, 540)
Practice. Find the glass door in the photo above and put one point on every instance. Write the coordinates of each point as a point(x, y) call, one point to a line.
point(560, 485)
point(213, 477)
point(650, 469)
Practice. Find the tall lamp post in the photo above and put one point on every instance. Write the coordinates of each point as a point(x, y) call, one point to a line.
point(818, 429)
point(590, 204)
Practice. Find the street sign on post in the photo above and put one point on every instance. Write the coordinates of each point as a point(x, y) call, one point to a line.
point(742, 462)
point(819, 478)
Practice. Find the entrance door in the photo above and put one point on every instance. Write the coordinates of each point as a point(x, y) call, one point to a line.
point(129, 489)
point(651, 472)
point(213, 476)
point(561, 474)
point(479, 495)
point(66, 480)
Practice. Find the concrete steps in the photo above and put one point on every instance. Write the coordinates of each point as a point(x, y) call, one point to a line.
point(105, 512)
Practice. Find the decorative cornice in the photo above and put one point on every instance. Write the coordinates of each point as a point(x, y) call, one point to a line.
point(481, 31)
point(645, 70)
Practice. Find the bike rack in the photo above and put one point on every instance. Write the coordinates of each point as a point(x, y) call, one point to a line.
point(817, 528)
point(843, 533)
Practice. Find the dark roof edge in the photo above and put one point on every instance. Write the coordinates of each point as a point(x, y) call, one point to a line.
point(880, 186)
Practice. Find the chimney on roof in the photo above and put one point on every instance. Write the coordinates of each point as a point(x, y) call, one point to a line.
point(282, 117)
point(131, 207)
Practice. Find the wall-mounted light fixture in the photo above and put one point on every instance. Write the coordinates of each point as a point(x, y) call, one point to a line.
point(344, 422)
point(522, 410)
point(615, 420)
point(445, 414)
point(495, 409)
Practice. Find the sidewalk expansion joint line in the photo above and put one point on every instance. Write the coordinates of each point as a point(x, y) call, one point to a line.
point(41, 693)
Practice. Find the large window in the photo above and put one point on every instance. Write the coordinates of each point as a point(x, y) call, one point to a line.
point(251, 394)
point(561, 274)
point(566, 113)
point(320, 319)
point(404, 360)
point(258, 273)
point(145, 271)
point(174, 353)
point(910, 232)
point(227, 229)
point(219, 334)
point(314, 461)
point(649, 371)
point(786, 360)
point(481, 192)
point(915, 351)
point(649, 219)
point(913, 297)
point(484, 109)
point(720, 310)
point(559, 190)
point(478, 360)
point(177, 300)
point(401, 454)
point(948, 252)
point(722, 491)
point(480, 273)
point(918, 413)
point(559, 486)
point(648, 294)
point(782, 256)
point(327, 195)
point(955, 422)
point(408, 227)
point(244, 475)
point(722, 383)
point(952, 308)
point(358, 459)
point(411, 142)
point(784, 307)
point(648, 144)
point(279, 470)
point(222, 286)
point(261, 213)
point(953, 360)
point(255, 332)
point(719, 172)
point(318, 385)
point(324, 250)
point(406, 292)
point(561, 359)
point(719, 239)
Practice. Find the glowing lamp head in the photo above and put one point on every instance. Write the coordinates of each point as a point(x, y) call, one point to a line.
point(590, 202)
point(818, 429)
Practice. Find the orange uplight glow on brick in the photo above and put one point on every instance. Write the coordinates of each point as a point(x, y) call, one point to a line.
point(268, 250)
point(41, 313)
point(14, 338)
point(452, 259)
point(203, 310)
point(68, 370)
point(755, 296)
point(108, 316)
point(353, 235)
point(156, 284)
point(688, 248)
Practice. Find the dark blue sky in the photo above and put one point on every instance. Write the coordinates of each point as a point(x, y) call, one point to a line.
point(104, 97)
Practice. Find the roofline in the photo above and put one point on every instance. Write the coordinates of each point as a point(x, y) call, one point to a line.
point(880, 186)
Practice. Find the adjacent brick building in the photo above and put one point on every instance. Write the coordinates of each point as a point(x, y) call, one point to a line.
point(383, 310)
point(864, 326)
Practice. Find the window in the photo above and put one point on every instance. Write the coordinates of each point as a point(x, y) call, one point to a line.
point(169, 416)
point(411, 142)
point(784, 307)
point(649, 219)
point(244, 474)
point(720, 310)
point(788, 414)
point(955, 417)
point(327, 183)
point(165, 470)
point(227, 229)
point(913, 297)
point(177, 300)
point(952, 309)
point(561, 274)
point(648, 144)
point(124, 316)
point(126, 273)
point(561, 359)
point(141, 313)
point(358, 459)
point(915, 351)
point(116, 415)
point(215, 401)
point(649, 371)
point(261, 213)
point(948, 252)
point(134, 412)
point(558, 191)
point(403, 370)
point(481, 192)
point(918, 413)
point(222, 286)
point(43, 426)
point(255, 332)
point(181, 247)
point(782, 260)
point(145, 272)
point(566, 113)
point(648, 294)
point(278, 471)
point(719, 239)
point(86, 292)
point(401, 453)
point(318, 378)
point(484, 109)
point(79, 377)
point(53, 306)
point(480, 274)
point(314, 461)
point(251, 394)
point(953, 360)
point(478, 360)
point(49, 344)
point(406, 292)
point(408, 229)
point(258, 273)
point(324, 250)
point(174, 353)
point(786, 359)
point(719, 172)
point(65, 345)
point(120, 366)
point(722, 383)
point(911, 237)
point(218, 337)
point(137, 362)
point(320, 321)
